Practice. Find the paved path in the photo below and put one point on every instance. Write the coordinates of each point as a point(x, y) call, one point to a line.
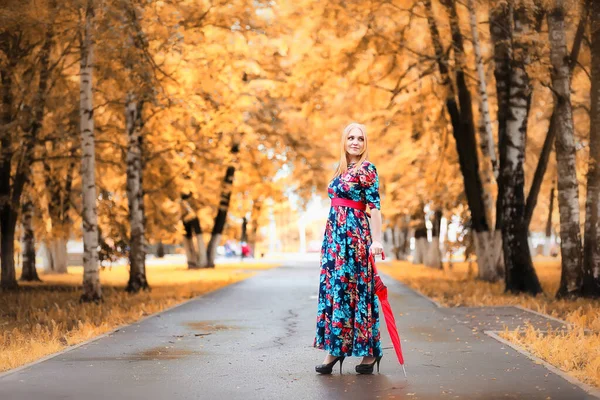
point(252, 340)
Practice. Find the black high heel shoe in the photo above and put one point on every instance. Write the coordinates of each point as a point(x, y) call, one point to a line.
point(326, 369)
point(368, 368)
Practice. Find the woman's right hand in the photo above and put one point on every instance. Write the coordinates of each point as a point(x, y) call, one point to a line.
point(376, 248)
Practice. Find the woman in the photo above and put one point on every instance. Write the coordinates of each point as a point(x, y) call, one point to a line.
point(348, 314)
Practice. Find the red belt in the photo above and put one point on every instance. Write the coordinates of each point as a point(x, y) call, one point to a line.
point(336, 201)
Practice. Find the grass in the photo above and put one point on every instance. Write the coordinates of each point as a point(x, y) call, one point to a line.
point(574, 351)
point(45, 317)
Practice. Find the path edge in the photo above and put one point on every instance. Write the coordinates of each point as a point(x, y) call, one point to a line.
point(520, 307)
point(105, 334)
point(572, 380)
point(494, 334)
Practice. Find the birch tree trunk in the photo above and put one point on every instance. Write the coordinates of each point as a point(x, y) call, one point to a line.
point(568, 197)
point(396, 240)
point(486, 242)
point(56, 254)
point(135, 196)
point(434, 256)
point(490, 169)
point(420, 244)
point(201, 255)
point(91, 277)
point(195, 254)
point(407, 233)
point(221, 217)
point(542, 164)
point(59, 204)
point(520, 274)
point(11, 187)
point(486, 136)
point(399, 236)
point(136, 64)
point(591, 250)
point(464, 135)
point(8, 218)
point(388, 239)
point(190, 252)
point(394, 237)
point(29, 271)
point(501, 35)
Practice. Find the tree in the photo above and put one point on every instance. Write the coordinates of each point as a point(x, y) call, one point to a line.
point(520, 274)
point(134, 107)
point(486, 136)
point(221, 216)
point(463, 129)
point(551, 133)
point(20, 123)
point(434, 256)
point(91, 277)
point(29, 272)
point(591, 249)
point(568, 196)
point(58, 207)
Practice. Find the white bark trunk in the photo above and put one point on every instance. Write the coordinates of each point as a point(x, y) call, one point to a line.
point(486, 135)
point(56, 253)
point(498, 253)
point(91, 277)
point(202, 260)
point(433, 257)
point(488, 248)
point(135, 196)
point(401, 247)
point(489, 170)
point(520, 274)
point(388, 245)
point(568, 196)
point(591, 285)
point(212, 248)
point(190, 253)
point(420, 250)
point(29, 272)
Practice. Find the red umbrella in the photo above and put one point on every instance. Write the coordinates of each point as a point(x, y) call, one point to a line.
point(390, 321)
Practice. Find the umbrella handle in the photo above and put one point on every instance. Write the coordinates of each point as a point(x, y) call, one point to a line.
point(382, 254)
point(373, 260)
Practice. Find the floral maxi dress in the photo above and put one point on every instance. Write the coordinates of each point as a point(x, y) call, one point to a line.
point(348, 313)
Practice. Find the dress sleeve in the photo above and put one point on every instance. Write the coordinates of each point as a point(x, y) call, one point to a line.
point(369, 180)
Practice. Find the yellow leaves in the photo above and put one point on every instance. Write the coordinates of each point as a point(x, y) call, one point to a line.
point(572, 351)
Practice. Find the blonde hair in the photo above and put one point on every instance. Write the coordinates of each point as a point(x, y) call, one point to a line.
point(343, 164)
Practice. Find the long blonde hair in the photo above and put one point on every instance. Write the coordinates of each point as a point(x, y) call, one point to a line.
point(343, 164)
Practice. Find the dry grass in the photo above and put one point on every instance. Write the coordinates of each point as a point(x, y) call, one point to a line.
point(43, 318)
point(575, 352)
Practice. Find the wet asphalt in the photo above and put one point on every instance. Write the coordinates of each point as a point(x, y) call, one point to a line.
point(253, 340)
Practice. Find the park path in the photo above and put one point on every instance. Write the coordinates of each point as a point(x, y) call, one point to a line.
point(253, 340)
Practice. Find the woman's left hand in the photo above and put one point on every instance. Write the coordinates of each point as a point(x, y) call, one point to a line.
point(376, 248)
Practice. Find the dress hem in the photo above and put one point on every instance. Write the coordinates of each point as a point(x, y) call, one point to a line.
point(349, 354)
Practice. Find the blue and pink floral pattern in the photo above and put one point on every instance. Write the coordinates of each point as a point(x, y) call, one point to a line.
point(348, 313)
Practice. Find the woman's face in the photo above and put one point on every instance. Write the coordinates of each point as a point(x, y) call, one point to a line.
point(355, 143)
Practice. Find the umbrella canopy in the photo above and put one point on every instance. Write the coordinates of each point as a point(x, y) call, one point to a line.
point(390, 321)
